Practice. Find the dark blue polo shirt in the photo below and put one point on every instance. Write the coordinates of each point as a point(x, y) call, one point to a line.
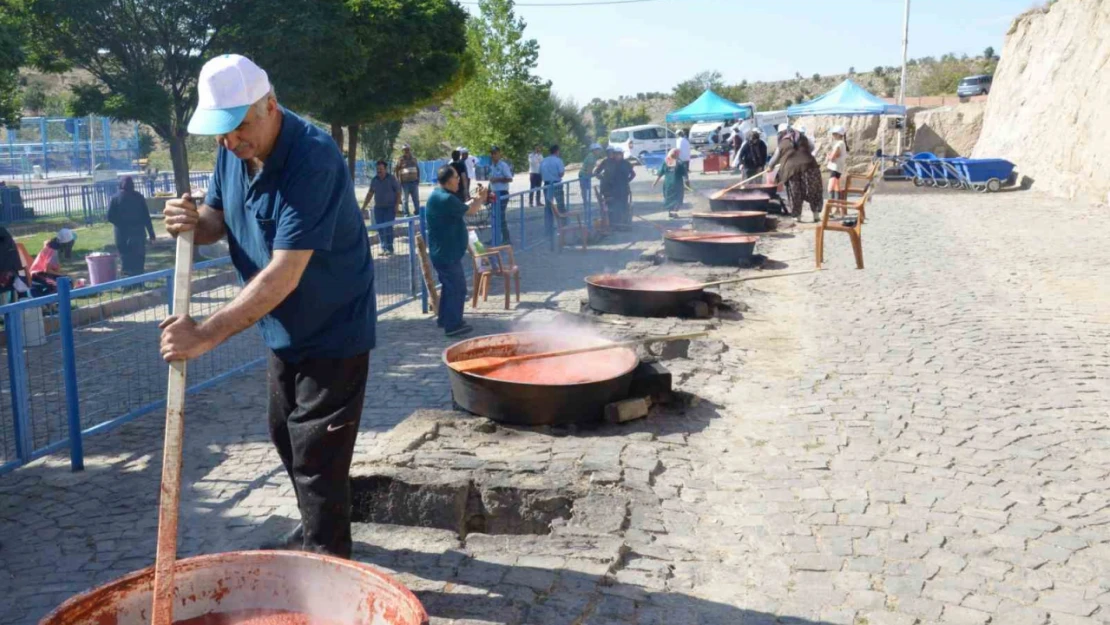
point(302, 199)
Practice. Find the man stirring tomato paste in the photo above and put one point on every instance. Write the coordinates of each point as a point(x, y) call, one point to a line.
point(282, 196)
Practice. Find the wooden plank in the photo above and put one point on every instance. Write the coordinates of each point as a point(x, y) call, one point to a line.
point(169, 505)
point(428, 273)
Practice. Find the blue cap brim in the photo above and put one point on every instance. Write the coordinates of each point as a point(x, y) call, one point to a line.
point(217, 121)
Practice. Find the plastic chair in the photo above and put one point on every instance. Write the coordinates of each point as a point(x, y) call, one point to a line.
point(854, 229)
point(495, 262)
point(564, 226)
point(601, 223)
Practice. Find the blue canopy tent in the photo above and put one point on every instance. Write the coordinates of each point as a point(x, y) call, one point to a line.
point(848, 98)
point(709, 107)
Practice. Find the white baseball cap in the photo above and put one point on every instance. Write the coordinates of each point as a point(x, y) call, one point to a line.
point(228, 85)
point(65, 235)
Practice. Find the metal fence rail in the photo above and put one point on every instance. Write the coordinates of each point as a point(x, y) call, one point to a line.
point(85, 203)
point(84, 361)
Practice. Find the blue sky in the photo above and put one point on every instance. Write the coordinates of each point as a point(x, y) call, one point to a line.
point(608, 51)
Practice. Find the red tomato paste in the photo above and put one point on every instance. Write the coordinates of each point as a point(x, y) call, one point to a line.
point(647, 283)
point(573, 369)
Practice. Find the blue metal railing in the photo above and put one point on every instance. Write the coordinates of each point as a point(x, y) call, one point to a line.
point(83, 361)
point(86, 203)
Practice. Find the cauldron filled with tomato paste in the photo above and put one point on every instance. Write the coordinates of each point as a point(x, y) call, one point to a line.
point(732, 200)
point(547, 391)
point(731, 221)
point(709, 248)
point(644, 295)
point(253, 588)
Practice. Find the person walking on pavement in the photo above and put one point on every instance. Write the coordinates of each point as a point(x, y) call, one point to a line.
point(447, 241)
point(552, 170)
point(535, 180)
point(676, 179)
point(385, 190)
point(500, 177)
point(130, 219)
point(408, 173)
point(459, 165)
point(615, 175)
point(800, 172)
point(281, 195)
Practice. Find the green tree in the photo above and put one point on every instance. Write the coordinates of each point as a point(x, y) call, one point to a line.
point(146, 143)
point(11, 58)
point(354, 62)
point(505, 104)
point(377, 140)
point(687, 91)
point(34, 98)
point(427, 141)
point(144, 57)
point(568, 129)
point(988, 53)
point(816, 77)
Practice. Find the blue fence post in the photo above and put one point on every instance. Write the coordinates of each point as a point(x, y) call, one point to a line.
point(424, 237)
point(412, 257)
point(17, 375)
point(523, 243)
point(69, 373)
point(85, 203)
point(495, 222)
point(587, 205)
point(65, 198)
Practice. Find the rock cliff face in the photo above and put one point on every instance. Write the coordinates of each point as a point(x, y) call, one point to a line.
point(1048, 109)
point(948, 130)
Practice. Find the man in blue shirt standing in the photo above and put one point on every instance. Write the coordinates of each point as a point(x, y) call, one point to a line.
point(552, 170)
point(282, 196)
point(500, 177)
point(447, 241)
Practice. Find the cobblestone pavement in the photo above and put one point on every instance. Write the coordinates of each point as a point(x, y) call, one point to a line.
point(921, 442)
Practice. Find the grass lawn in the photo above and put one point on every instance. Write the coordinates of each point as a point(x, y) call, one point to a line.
point(101, 238)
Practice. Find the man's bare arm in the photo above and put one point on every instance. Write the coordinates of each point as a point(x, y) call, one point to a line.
point(260, 296)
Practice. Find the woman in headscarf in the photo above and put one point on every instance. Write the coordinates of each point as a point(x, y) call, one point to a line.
point(128, 213)
point(800, 172)
point(675, 175)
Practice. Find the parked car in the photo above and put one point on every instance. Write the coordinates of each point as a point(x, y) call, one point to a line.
point(637, 140)
point(974, 85)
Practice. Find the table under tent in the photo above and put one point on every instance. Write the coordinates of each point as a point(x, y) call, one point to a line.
point(710, 107)
point(850, 100)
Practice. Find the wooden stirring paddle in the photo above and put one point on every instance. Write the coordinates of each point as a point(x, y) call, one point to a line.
point(169, 505)
point(749, 278)
point(489, 363)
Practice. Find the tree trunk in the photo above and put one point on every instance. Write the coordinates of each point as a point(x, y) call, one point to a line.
point(337, 134)
point(179, 155)
point(352, 148)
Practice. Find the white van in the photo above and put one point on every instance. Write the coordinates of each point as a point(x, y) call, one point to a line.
point(637, 140)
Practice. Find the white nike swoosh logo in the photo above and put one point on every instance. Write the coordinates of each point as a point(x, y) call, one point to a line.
point(335, 428)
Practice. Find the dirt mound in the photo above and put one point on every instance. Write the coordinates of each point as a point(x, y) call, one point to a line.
point(1047, 110)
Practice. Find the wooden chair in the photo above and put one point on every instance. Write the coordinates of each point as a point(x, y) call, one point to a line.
point(858, 184)
point(495, 262)
point(601, 222)
point(429, 275)
point(573, 225)
point(854, 230)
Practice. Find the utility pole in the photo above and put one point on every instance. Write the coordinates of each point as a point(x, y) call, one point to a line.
point(902, 90)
